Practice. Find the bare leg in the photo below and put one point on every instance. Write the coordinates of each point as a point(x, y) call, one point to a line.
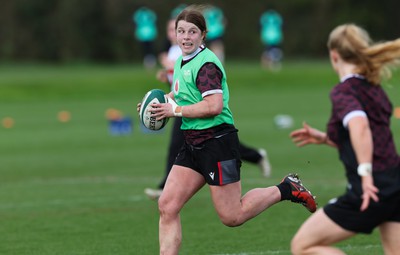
point(181, 185)
point(316, 235)
point(234, 210)
point(390, 237)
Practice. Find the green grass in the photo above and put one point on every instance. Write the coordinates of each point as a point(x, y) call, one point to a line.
point(72, 188)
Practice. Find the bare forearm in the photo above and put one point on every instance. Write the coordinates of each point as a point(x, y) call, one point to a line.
point(362, 145)
point(199, 110)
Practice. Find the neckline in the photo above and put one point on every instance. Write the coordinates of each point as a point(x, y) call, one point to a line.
point(351, 75)
point(185, 58)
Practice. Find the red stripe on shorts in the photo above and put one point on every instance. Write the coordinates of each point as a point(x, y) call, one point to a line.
point(220, 173)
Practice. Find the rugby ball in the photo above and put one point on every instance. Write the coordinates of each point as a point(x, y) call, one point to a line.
point(154, 96)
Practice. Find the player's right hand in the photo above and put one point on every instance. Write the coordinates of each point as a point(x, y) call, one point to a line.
point(138, 107)
point(370, 191)
point(308, 135)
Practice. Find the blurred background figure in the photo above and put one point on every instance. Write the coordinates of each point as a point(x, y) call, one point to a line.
point(169, 54)
point(167, 59)
point(216, 23)
point(170, 50)
point(175, 12)
point(271, 37)
point(144, 20)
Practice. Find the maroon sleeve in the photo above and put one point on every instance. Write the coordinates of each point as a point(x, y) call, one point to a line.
point(209, 78)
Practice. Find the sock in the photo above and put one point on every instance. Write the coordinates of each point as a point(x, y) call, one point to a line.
point(285, 190)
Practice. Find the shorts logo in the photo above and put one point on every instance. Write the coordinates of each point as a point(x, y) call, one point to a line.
point(211, 175)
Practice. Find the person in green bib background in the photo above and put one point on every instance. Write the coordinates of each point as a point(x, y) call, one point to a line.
point(216, 23)
point(146, 33)
point(271, 35)
point(210, 153)
point(178, 9)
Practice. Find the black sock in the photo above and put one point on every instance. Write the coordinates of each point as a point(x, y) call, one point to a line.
point(285, 190)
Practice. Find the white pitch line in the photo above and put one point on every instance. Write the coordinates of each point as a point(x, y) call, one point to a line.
point(74, 201)
point(257, 253)
point(346, 248)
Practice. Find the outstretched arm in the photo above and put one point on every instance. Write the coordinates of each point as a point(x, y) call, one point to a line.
point(310, 135)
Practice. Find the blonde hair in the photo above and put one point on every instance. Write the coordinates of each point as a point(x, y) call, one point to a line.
point(372, 59)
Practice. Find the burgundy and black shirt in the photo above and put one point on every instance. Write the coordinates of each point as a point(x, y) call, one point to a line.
point(356, 94)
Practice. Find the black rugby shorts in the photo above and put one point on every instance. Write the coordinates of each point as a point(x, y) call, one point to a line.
point(216, 159)
point(345, 211)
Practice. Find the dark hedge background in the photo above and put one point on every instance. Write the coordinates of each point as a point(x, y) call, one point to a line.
point(102, 30)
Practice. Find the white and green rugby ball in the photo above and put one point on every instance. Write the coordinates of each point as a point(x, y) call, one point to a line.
point(154, 96)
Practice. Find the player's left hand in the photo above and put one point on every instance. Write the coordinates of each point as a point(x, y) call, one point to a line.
point(161, 111)
point(370, 191)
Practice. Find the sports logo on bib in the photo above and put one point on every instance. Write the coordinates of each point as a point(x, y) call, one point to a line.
point(176, 86)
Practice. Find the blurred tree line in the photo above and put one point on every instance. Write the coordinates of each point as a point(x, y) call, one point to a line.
point(102, 30)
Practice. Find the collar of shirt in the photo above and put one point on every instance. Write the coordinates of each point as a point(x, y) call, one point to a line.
point(351, 75)
point(185, 58)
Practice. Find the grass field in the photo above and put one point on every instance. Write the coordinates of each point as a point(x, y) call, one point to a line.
point(73, 188)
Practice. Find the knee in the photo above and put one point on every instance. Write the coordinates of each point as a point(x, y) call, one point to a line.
point(166, 208)
point(230, 221)
point(295, 247)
